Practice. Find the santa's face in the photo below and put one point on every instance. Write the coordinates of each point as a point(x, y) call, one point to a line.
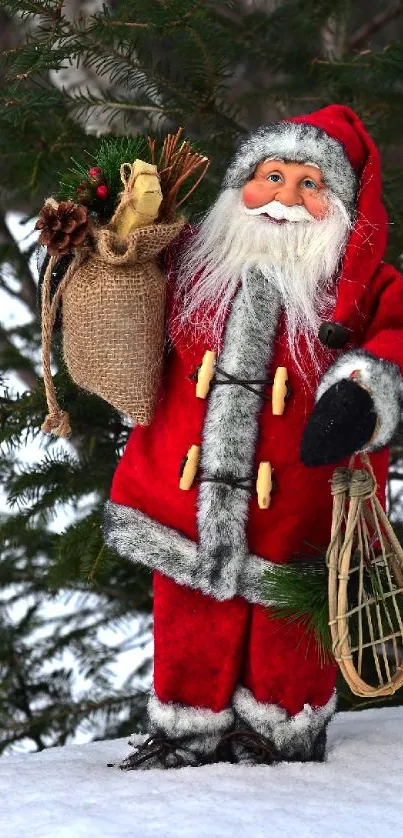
point(286, 223)
point(290, 184)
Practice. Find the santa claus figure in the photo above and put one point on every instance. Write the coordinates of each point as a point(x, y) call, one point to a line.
point(285, 348)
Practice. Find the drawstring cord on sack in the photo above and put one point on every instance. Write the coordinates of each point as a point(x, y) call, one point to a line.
point(57, 420)
point(126, 196)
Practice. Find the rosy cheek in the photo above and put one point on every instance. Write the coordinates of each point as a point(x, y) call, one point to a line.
point(254, 193)
point(317, 205)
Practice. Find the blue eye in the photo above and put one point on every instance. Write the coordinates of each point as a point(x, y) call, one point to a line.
point(309, 184)
point(274, 177)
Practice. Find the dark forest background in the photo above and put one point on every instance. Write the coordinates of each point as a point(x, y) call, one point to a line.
point(70, 73)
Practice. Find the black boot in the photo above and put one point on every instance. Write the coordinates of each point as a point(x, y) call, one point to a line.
point(161, 752)
point(269, 734)
point(246, 746)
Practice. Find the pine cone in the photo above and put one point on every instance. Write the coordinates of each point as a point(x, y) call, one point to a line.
point(64, 226)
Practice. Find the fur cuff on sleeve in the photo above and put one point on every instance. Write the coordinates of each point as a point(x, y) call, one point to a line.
point(383, 382)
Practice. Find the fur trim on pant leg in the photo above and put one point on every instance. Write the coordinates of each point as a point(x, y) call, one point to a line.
point(294, 737)
point(383, 382)
point(196, 728)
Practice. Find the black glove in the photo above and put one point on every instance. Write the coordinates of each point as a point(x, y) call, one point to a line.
point(341, 423)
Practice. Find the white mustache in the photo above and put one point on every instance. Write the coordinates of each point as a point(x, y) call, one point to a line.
point(281, 212)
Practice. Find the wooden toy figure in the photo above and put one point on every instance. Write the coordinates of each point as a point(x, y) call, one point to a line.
point(284, 357)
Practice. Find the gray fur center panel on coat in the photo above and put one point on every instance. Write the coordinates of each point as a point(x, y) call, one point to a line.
point(230, 435)
point(138, 538)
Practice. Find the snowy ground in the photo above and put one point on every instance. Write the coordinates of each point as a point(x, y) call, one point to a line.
point(71, 793)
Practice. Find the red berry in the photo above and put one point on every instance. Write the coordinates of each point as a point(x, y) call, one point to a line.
point(94, 171)
point(102, 192)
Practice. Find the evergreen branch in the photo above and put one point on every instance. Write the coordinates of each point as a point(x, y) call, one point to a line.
point(125, 24)
point(24, 371)
point(25, 704)
point(105, 104)
point(378, 22)
point(7, 288)
point(71, 714)
point(28, 290)
point(207, 62)
point(299, 591)
point(151, 73)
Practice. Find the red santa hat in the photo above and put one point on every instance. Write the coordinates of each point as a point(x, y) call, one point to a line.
point(335, 139)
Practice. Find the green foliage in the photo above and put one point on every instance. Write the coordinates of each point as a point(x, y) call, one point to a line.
point(300, 592)
point(109, 157)
point(219, 69)
point(42, 567)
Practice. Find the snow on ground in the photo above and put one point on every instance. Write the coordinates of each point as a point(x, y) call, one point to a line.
point(71, 793)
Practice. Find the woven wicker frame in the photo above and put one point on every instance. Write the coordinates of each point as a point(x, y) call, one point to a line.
point(365, 562)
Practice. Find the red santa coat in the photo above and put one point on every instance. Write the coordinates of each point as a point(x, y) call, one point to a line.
point(147, 478)
point(183, 534)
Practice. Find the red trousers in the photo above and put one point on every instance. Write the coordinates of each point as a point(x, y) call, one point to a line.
point(204, 649)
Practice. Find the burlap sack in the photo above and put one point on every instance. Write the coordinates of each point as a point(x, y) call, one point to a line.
point(113, 319)
point(113, 303)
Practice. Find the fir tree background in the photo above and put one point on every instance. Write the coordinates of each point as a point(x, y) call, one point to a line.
point(72, 72)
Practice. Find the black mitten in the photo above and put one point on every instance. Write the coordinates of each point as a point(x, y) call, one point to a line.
point(341, 423)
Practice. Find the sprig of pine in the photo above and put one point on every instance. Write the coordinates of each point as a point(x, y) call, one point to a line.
point(300, 592)
point(111, 154)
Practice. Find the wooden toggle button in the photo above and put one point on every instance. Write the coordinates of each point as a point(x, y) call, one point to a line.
point(205, 374)
point(264, 485)
point(189, 467)
point(280, 390)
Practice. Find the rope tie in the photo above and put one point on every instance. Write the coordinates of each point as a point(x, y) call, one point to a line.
point(57, 420)
point(245, 383)
point(340, 481)
point(362, 485)
point(236, 483)
point(125, 197)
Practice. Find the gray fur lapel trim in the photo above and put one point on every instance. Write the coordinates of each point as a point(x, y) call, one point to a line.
point(134, 536)
point(230, 434)
point(301, 143)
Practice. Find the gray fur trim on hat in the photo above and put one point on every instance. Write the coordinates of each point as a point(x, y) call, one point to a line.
point(297, 142)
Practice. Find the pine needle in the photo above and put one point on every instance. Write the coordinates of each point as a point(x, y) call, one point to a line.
point(299, 590)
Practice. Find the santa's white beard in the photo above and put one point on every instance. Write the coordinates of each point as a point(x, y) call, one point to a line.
point(298, 258)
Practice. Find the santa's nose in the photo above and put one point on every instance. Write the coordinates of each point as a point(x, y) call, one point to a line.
point(288, 195)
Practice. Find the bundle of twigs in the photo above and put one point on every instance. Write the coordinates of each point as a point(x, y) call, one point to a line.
point(365, 562)
point(176, 164)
